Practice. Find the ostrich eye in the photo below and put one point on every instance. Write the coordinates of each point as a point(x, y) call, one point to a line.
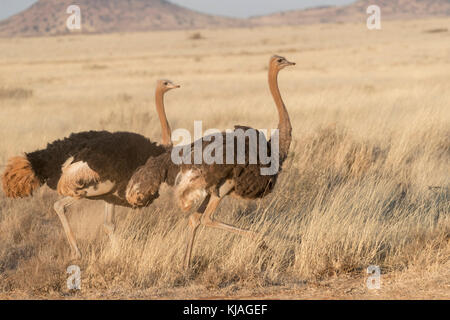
point(280, 60)
point(166, 83)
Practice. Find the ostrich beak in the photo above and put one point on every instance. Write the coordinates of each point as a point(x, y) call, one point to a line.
point(290, 63)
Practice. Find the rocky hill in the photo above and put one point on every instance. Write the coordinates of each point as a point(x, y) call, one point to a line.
point(390, 10)
point(48, 17)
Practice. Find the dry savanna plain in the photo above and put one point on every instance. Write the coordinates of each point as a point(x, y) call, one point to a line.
point(366, 183)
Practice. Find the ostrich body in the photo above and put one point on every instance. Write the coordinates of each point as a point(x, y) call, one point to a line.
point(93, 165)
point(212, 182)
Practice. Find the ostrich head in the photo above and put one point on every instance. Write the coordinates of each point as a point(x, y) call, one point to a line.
point(277, 63)
point(166, 85)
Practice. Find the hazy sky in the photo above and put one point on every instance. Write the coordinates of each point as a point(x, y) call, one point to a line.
point(235, 8)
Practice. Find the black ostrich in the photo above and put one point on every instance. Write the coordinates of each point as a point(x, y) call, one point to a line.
point(215, 181)
point(95, 165)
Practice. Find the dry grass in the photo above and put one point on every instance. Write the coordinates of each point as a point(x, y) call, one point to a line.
point(371, 119)
point(196, 36)
point(15, 93)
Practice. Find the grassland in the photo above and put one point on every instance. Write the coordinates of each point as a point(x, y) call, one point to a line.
point(367, 181)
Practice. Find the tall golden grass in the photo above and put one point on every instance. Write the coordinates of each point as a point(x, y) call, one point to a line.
point(366, 183)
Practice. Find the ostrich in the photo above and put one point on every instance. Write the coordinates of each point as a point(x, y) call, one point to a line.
point(215, 181)
point(93, 165)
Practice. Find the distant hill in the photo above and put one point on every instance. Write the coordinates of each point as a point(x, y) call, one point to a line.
point(48, 17)
point(390, 10)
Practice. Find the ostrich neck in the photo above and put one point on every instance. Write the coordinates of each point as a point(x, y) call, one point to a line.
point(165, 128)
point(284, 125)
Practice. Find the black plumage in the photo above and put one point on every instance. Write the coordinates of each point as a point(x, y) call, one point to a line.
point(249, 183)
point(213, 181)
point(95, 165)
point(113, 156)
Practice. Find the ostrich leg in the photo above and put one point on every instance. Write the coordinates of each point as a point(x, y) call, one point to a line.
point(108, 224)
point(208, 221)
point(194, 223)
point(60, 208)
point(208, 218)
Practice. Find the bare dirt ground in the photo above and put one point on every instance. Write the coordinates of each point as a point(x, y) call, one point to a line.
point(409, 285)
